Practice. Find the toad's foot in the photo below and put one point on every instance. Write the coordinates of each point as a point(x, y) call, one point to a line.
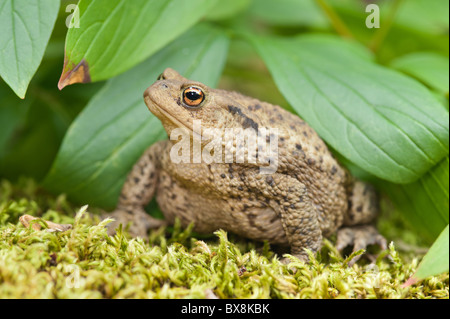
point(52, 227)
point(360, 237)
point(139, 221)
point(302, 257)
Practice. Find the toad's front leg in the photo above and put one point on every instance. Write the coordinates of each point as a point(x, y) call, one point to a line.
point(137, 192)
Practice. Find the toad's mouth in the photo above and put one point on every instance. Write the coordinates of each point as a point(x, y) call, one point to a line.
point(155, 108)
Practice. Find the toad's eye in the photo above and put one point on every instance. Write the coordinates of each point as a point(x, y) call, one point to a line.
point(161, 77)
point(193, 96)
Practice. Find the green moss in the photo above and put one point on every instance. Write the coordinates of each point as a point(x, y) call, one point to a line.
point(86, 263)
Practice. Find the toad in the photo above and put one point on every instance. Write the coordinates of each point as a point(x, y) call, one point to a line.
point(309, 196)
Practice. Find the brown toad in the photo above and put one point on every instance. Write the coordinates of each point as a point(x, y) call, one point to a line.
point(308, 196)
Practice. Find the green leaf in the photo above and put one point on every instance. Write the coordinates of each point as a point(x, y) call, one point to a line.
point(25, 30)
point(109, 136)
point(424, 203)
point(33, 141)
point(381, 120)
point(413, 32)
point(115, 35)
point(435, 262)
point(424, 15)
point(12, 115)
point(227, 9)
point(430, 68)
point(289, 13)
point(421, 16)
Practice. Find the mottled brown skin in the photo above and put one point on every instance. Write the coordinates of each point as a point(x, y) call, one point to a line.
point(309, 196)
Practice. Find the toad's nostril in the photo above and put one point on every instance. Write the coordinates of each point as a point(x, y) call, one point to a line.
point(164, 85)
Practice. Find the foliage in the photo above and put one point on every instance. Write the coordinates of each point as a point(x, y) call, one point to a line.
point(435, 261)
point(86, 263)
point(23, 49)
point(378, 97)
point(365, 105)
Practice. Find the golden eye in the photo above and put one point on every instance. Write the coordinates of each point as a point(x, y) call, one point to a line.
point(193, 96)
point(161, 77)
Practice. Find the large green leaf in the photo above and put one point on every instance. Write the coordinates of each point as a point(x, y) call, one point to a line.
point(430, 68)
point(383, 121)
point(424, 203)
point(116, 127)
point(115, 35)
point(25, 30)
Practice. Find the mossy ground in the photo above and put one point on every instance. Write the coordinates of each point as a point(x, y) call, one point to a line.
point(85, 263)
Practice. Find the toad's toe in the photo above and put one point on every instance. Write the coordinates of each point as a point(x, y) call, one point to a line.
point(136, 221)
point(359, 237)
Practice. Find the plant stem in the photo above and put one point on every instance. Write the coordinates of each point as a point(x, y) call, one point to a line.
point(381, 33)
point(339, 25)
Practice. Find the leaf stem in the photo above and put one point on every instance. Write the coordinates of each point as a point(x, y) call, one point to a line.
point(337, 23)
point(381, 33)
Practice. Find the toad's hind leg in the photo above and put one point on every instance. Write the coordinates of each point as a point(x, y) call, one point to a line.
point(362, 211)
point(363, 205)
point(137, 191)
point(297, 212)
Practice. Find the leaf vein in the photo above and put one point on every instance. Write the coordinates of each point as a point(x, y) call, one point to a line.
point(104, 24)
point(379, 113)
point(355, 124)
